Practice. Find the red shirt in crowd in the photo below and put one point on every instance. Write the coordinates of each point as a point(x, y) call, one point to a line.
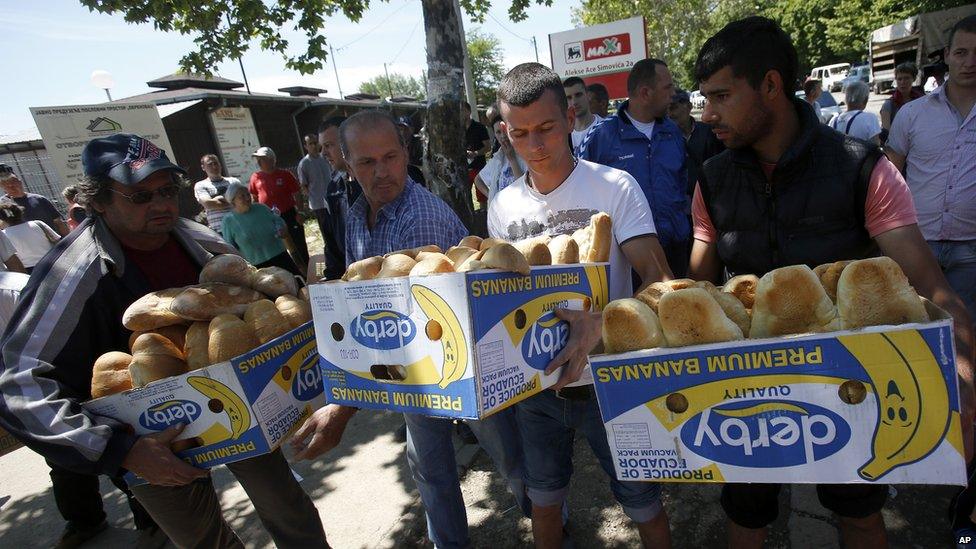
point(276, 188)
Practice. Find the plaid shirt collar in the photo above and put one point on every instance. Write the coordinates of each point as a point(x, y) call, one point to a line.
point(360, 209)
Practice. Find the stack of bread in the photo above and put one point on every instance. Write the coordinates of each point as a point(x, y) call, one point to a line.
point(591, 244)
point(790, 300)
point(182, 329)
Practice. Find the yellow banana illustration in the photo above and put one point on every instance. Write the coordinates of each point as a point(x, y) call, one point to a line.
point(913, 400)
point(230, 403)
point(452, 341)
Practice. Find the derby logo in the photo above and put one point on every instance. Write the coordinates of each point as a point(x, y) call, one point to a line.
point(543, 341)
point(171, 412)
point(308, 383)
point(766, 433)
point(383, 330)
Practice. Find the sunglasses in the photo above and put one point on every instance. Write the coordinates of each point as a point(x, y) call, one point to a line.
point(166, 192)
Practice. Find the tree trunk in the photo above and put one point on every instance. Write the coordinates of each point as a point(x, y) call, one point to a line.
point(445, 160)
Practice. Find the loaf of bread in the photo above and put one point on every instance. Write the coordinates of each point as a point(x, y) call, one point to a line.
point(364, 269)
point(229, 337)
point(691, 316)
point(602, 234)
point(458, 254)
point(265, 321)
point(110, 374)
point(504, 256)
point(274, 281)
point(876, 292)
point(489, 242)
point(732, 307)
point(583, 236)
point(471, 241)
point(432, 263)
point(629, 325)
point(175, 333)
point(651, 295)
point(152, 311)
point(791, 300)
point(154, 357)
point(564, 250)
point(743, 287)
point(229, 269)
point(296, 311)
point(829, 274)
point(396, 265)
point(412, 252)
point(471, 264)
point(535, 250)
point(196, 349)
point(204, 302)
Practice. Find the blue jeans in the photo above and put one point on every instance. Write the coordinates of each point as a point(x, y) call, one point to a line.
point(958, 261)
point(548, 425)
point(430, 454)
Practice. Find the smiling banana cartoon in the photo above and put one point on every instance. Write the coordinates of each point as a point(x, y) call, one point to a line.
point(222, 399)
point(913, 399)
point(452, 340)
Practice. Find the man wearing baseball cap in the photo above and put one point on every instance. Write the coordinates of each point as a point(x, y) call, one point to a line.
point(277, 188)
point(132, 243)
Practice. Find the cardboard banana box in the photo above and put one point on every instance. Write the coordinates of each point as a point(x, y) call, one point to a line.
point(461, 345)
point(879, 404)
point(232, 410)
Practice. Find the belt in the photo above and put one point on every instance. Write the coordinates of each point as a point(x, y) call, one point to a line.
point(581, 392)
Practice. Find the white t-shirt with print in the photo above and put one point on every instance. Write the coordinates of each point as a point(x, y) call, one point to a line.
point(497, 173)
point(578, 135)
point(520, 211)
point(863, 125)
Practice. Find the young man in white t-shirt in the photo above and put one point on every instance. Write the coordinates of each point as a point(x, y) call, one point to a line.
point(209, 191)
point(578, 99)
point(558, 195)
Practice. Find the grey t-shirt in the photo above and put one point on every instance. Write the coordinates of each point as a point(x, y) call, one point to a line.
point(315, 173)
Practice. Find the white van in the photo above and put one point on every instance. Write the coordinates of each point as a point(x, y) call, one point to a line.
point(831, 75)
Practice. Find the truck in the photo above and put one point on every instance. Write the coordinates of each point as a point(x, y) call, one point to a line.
point(918, 39)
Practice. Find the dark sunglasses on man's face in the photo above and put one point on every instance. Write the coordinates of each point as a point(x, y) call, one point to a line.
point(166, 192)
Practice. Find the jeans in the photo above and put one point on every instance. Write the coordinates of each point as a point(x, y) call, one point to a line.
point(958, 261)
point(548, 425)
point(430, 455)
point(79, 501)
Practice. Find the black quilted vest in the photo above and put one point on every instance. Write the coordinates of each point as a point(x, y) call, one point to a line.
point(811, 210)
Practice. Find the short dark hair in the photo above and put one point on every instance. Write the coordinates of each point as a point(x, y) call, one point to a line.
point(69, 193)
point(370, 118)
point(599, 90)
point(907, 68)
point(966, 24)
point(208, 156)
point(526, 83)
point(644, 73)
point(811, 86)
point(331, 122)
point(574, 81)
point(752, 47)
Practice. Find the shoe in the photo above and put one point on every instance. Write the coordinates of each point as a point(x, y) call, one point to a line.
point(73, 536)
point(401, 433)
point(465, 432)
point(151, 538)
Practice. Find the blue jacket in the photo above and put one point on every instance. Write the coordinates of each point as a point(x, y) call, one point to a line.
point(658, 166)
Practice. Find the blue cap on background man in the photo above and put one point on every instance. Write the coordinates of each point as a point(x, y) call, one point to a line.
point(125, 158)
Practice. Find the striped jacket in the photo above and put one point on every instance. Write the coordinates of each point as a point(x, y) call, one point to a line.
point(69, 314)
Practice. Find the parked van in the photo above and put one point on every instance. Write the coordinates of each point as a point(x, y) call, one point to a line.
point(831, 75)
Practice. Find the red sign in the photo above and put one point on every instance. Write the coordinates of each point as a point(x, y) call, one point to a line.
point(606, 46)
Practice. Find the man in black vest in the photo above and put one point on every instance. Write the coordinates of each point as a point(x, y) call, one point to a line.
point(792, 191)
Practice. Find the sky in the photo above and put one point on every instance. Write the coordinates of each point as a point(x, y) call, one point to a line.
point(51, 48)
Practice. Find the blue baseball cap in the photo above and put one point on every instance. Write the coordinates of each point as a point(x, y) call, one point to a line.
point(126, 158)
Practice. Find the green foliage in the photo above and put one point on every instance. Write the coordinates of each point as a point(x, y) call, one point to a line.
point(400, 85)
point(487, 70)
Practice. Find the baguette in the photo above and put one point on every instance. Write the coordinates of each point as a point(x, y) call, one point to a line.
point(206, 301)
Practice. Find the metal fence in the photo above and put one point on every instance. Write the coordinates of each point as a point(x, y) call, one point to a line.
point(34, 167)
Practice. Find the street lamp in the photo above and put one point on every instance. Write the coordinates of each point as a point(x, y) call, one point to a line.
point(103, 79)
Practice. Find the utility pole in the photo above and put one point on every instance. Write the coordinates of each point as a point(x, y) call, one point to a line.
point(332, 55)
point(468, 79)
point(240, 61)
point(389, 85)
point(536, 46)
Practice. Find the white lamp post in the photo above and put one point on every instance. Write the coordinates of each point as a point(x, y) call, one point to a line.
point(103, 79)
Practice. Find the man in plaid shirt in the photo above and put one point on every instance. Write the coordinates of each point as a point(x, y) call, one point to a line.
point(396, 213)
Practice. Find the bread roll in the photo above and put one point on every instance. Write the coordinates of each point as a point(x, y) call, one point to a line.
point(206, 301)
point(229, 269)
point(471, 264)
point(471, 241)
point(564, 250)
point(458, 254)
point(682, 283)
point(876, 292)
point(732, 307)
point(489, 242)
point(296, 311)
point(175, 333)
point(396, 265)
point(535, 250)
point(743, 287)
point(274, 281)
point(152, 311)
point(651, 295)
point(791, 300)
point(364, 269)
point(432, 264)
point(829, 274)
point(110, 374)
point(265, 321)
point(504, 256)
point(600, 239)
point(629, 325)
point(197, 346)
point(412, 252)
point(691, 316)
point(583, 237)
point(230, 337)
point(154, 357)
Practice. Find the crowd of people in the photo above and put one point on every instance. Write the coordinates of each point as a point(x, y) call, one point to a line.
point(760, 182)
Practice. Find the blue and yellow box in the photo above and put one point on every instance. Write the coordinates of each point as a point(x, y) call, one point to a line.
point(460, 345)
point(232, 410)
point(879, 404)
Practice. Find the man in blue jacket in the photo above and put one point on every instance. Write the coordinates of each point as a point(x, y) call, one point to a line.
point(640, 140)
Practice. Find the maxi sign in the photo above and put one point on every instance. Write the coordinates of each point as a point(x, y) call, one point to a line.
point(601, 53)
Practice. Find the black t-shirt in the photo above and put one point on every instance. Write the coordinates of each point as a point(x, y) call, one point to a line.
point(474, 138)
point(37, 208)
